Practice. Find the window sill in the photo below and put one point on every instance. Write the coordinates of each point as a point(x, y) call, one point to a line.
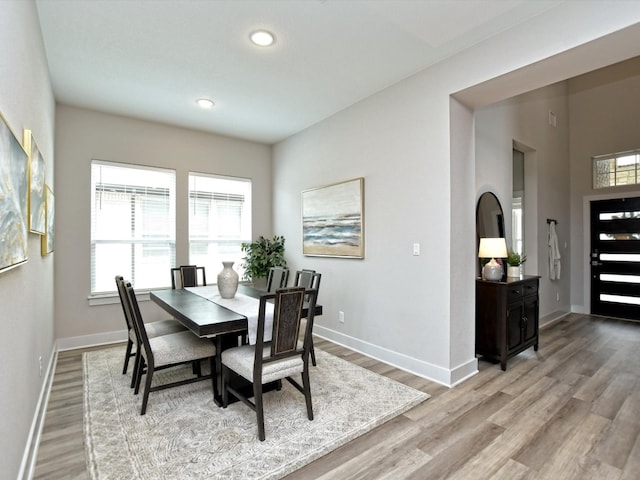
point(111, 298)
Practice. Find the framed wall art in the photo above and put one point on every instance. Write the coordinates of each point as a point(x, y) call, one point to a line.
point(46, 241)
point(14, 193)
point(333, 220)
point(36, 184)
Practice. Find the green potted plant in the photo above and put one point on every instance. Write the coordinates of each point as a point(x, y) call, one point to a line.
point(260, 255)
point(515, 261)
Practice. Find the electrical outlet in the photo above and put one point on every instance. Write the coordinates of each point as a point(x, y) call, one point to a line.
point(40, 364)
point(341, 316)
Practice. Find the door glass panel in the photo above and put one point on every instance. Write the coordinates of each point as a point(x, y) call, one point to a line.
point(619, 236)
point(610, 277)
point(620, 299)
point(618, 215)
point(620, 257)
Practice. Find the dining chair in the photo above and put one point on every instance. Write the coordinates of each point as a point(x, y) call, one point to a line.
point(188, 276)
point(154, 329)
point(166, 351)
point(277, 278)
point(273, 361)
point(309, 279)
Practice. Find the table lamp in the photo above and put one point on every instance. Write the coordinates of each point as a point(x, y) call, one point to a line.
point(492, 248)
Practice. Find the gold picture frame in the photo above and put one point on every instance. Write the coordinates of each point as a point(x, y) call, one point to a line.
point(333, 220)
point(47, 240)
point(37, 208)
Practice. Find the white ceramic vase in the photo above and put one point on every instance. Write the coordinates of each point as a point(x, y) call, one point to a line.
point(228, 281)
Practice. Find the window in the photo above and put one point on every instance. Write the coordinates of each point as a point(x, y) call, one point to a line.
point(616, 169)
point(219, 220)
point(132, 225)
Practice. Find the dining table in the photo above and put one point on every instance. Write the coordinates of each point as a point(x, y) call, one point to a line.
point(207, 315)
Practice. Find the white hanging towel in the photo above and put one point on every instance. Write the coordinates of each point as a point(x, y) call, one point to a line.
point(554, 253)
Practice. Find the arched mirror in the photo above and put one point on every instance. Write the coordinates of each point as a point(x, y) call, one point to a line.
point(489, 219)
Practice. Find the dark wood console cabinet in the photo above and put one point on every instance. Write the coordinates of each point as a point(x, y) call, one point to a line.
point(506, 317)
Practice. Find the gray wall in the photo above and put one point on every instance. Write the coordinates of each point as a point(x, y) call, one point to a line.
point(83, 135)
point(605, 118)
point(414, 145)
point(26, 292)
point(525, 119)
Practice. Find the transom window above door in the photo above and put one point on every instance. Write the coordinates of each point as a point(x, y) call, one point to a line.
point(616, 169)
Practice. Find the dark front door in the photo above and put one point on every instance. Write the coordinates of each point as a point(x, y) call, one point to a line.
point(615, 258)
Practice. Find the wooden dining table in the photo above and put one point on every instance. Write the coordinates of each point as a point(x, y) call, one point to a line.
point(207, 319)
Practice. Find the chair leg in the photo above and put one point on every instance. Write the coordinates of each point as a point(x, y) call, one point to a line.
point(306, 385)
point(147, 389)
point(313, 355)
point(214, 377)
point(141, 365)
point(127, 355)
point(225, 392)
point(257, 399)
point(136, 366)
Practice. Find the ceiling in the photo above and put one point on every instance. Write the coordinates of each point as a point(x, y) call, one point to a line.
point(151, 59)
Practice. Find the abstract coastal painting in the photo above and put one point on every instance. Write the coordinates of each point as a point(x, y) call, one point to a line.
point(36, 184)
point(333, 220)
point(14, 193)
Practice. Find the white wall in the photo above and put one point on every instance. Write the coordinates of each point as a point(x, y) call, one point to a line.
point(525, 120)
point(417, 312)
point(26, 292)
point(83, 135)
point(605, 118)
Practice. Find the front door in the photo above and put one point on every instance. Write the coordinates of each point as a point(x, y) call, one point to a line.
point(615, 258)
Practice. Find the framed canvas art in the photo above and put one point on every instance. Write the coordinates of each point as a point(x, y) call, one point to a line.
point(46, 241)
point(14, 194)
point(333, 220)
point(36, 184)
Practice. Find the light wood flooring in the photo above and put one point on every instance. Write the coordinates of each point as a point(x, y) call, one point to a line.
point(569, 411)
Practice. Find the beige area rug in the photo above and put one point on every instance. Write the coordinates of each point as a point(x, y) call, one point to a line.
point(184, 435)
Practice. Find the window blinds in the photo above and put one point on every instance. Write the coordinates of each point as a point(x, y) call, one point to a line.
point(219, 220)
point(132, 225)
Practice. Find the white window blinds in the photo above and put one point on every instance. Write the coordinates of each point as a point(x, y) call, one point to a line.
point(219, 221)
point(132, 225)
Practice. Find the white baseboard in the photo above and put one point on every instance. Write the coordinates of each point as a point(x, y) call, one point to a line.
point(30, 455)
point(583, 309)
point(84, 341)
point(412, 365)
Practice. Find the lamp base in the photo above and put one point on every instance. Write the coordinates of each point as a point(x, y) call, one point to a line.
point(492, 271)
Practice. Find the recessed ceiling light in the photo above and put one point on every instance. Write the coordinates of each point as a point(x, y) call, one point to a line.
point(205, 103)
point(262, 38)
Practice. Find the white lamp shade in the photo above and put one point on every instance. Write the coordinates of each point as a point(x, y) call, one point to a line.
point(492, 248)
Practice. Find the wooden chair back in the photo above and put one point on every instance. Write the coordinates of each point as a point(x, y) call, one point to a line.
point(123, 301)
point(277, 278)
point(287, 318)
point(188, 276)
point(138, 324)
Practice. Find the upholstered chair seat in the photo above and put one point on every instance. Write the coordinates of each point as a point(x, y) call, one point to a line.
point(179, 347)
point(241, 361)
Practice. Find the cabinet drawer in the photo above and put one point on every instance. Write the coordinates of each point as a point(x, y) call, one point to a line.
point(515, 293)
point(530, 288)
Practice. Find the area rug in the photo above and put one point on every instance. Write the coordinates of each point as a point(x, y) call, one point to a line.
point(184, 435)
